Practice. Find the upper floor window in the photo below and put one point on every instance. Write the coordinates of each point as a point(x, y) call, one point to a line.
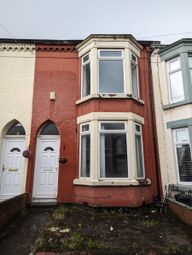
point(134, 75)
point(176, 89)
point(111, 74)
point(190, 64)
point(85, 76)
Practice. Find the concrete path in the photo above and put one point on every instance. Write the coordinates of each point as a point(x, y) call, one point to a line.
point(18, 237)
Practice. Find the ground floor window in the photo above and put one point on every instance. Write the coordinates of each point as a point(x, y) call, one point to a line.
point(183, 154)
point(85, 151)
point(111, 149)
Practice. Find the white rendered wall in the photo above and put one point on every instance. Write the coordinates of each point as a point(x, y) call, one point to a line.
point(17, 64)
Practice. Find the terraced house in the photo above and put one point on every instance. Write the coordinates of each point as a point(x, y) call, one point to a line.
point(172, 77)
point(85, 111)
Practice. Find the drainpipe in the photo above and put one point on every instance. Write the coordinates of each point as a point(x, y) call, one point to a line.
point(154, 132)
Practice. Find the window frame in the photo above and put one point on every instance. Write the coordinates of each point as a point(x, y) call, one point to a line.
point(82, 76)
point(190, 67)
point(137, 67)
point(169, 72)
point(111, 58)
point(139, 133)
point(82, 133)
point(122, 131)
point(175, 143)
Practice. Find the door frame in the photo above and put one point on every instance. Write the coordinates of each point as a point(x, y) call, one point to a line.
point(4, 141)
point(40, 138)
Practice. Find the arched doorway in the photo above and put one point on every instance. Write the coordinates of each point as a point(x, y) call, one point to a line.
point(45, 183)
point(12, 161)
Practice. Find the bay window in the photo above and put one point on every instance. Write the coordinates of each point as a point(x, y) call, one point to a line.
point(113, 150)
point(111, 73)
point(134, 75)
point(85, 151)
point(86, 73)
point(139, 151)
point(175, 80)
point(183, 154)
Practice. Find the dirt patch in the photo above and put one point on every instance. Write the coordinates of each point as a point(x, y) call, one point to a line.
point(114, 231)
point(20, 235)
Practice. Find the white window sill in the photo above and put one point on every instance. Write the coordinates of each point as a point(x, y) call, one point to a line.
point(105, 182)
point(106, 96)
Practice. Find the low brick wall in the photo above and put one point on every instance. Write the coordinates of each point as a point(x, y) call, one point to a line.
point(10, 208)
point(183, 212)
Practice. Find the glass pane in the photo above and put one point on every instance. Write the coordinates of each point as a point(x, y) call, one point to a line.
point(16, 129)
point(134, 58)
point(112, 126)
point(134, 80)
point(105, 53)
point(190, 61)
point(176, 82)
point(85, 128)
point(113, 156)
point(138, 128)
point(191, 74)
point(85, 58)
point(139, 156)
point(85, 156)
point(184, 162)
point(111, 76)
point(86, 80)
point(174, 64)
point(49, 129)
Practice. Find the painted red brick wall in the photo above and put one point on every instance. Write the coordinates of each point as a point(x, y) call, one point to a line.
point(56, 70)
point(125, 196)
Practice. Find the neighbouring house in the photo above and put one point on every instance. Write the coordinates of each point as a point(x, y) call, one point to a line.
point(17, 63)
point(172, 79)
point(92, 134)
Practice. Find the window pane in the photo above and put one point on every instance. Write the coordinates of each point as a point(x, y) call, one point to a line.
point(113, 156)
point(49, 129)
point(174, 65)
point(85, 128)
point(191, 74)
point(85, 156)
point(111, 76)
point(138, 128)
point(112, 126)
point(176, 82)
point(184, 162)
point(134, 58)
point(16, 129)
point(134, 80)
point(139, 156)
point(85, 58)
point(110, 53)
point(86, 80)
point(190, 61)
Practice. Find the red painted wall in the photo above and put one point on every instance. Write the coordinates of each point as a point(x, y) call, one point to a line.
point(125, 196)
point(56, 70)
point(59, 71)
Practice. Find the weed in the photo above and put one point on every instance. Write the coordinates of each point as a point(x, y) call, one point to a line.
point(76, 242)
point(150, 223)
point(93, 245)
point(59, 214)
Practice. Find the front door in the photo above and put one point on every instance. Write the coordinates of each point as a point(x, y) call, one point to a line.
point(12, 166)
point(46, 168)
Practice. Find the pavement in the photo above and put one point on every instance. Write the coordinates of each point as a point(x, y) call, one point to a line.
point(18, 237)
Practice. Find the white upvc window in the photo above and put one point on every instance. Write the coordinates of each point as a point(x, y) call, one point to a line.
point(111, 71)
point(190, 64)
point(183, 155)
point(175, 80)
point(139, 151)
point(113, 149)
point(85, 150)
point(134, 76)
point(86, 76)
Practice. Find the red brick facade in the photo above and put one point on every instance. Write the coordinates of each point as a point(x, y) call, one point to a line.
point(58, 69)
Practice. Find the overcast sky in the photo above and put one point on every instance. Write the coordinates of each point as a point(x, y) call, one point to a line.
point(76, 19)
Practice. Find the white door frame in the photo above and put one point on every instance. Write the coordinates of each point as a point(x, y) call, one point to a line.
point(5, 139)
point(41, 138)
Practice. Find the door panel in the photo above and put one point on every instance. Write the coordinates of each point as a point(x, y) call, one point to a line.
point(46, 168)
point(12, 166)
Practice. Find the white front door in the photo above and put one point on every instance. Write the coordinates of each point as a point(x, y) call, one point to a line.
point(12, 165)
point(46, 168)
